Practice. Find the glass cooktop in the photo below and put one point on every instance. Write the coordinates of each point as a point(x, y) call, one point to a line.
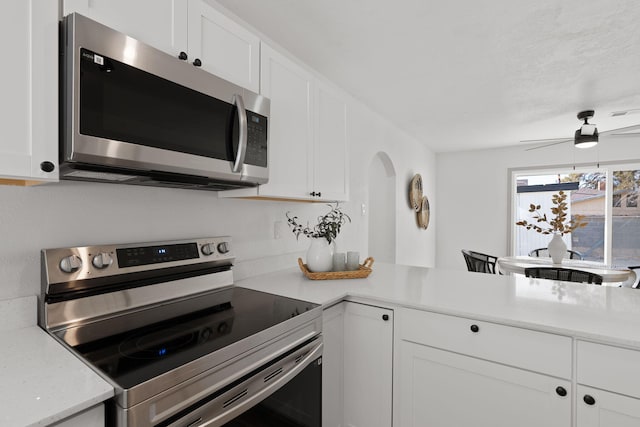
point(163, 338)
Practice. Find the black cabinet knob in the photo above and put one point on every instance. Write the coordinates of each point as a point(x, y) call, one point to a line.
point(319, 194)
point(313, 194)
point(183, 56)
point(561, 391)
point(475, 328)
point(589, 400)
point(197, 62)
point(47, 166)
point(385, 317)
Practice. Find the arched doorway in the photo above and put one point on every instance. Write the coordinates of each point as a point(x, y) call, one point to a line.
point(382, 208)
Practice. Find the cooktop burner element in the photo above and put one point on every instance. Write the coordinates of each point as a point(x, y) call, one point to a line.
point(163, 320)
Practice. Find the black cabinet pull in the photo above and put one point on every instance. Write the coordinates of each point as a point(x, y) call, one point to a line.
point(197, 62)
point(589, 400)
point(475, 328)
point(319, 194)
point(47, 166)
point(561, 391)
point(385, 317)
point(183, 56)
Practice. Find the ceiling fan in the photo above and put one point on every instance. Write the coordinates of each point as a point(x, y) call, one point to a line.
point(587, 135)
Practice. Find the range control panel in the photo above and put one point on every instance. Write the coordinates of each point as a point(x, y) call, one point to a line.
point(86, 262)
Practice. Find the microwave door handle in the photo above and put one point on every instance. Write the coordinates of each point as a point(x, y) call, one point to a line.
point(242, 136)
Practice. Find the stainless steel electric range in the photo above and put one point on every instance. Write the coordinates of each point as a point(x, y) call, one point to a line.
point(183, 346)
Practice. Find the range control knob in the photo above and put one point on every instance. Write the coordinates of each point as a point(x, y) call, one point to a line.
point(208, 249)
point(223, 247)
point(70, 264)
point(102, 260)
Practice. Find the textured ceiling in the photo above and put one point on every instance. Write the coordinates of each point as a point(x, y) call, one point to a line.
point(468, 74)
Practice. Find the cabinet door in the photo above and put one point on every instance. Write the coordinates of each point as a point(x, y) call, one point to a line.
point(606, 409)
point(331, 175)
point(159, 23)
point(92, 417)
point(225, 48)
point(332, 365)
point(29, 87)
point(368, 365)
point(290, 130)
point(442, 389)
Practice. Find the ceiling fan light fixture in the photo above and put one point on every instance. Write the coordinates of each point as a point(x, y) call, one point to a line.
point(587, 135)
point(585, 141)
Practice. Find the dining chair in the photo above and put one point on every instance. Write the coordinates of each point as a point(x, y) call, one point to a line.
point(542, 252)
point(634, 278)
point(479, 262)
point(566, 274)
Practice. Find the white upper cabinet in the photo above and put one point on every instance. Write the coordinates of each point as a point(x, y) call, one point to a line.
point(192, 27)
point(307, 134)
point(159, 23)
point(330, 166)
point(225, 48)
point(290, 142)
point(29, 87)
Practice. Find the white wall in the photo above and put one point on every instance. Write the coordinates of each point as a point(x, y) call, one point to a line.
point(473, 191)
point(369, 134)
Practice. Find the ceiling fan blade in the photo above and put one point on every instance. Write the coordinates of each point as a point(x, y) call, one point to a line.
point(625, 131)
point(562, 141)
point(533, 141)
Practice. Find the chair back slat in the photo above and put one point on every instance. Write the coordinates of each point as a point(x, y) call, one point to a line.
point(566, 274)
point(544, 253)
point(479, 262)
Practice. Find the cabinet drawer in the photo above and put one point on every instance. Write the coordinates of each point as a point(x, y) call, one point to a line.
point(610, 368)
point(536, 351)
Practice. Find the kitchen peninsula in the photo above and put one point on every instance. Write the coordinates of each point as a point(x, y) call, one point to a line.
point(411, 344)
point(546, 343)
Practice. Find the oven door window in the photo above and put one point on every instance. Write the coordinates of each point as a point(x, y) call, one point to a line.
point(123, 103)
point(296, 404)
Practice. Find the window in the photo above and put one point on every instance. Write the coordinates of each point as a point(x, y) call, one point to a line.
point(607, 198)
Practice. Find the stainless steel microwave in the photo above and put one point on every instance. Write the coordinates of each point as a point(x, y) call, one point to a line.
point(132, 114)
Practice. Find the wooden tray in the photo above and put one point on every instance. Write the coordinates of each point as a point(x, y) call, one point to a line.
point(363, 271)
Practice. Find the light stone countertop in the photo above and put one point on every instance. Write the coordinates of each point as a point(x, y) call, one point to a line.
point(42, 381)
point(598, 313)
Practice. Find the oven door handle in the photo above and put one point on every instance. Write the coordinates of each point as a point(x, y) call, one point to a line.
point(242, 134)
point(252, 391)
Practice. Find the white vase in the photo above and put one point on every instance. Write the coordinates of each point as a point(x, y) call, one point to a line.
point(557, 248)
point(320, 255)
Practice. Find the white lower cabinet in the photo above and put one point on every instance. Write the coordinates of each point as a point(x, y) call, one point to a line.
point(368, 365)
point(92, 417)
point(453, 371)
point(608, 394)
point(444, 389)
point(598, 408)
point(333, 365)
point(357, 366)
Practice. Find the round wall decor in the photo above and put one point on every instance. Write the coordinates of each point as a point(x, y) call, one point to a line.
point(415, 192)
point(419, 202)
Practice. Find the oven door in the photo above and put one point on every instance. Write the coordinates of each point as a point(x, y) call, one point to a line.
point(283, 392)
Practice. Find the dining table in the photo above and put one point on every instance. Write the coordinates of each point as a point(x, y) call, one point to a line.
point(517, 265)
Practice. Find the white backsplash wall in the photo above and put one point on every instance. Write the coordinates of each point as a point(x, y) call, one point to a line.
point(473, 191)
